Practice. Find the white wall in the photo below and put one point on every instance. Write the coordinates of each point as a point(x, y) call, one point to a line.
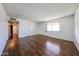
point(26, 28)
point(76, 41)
point(3, 29)
point(66, 28)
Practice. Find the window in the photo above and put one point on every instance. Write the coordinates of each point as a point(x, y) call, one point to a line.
point(54, 26)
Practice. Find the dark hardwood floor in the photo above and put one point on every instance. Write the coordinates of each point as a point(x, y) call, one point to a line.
point(40, 45)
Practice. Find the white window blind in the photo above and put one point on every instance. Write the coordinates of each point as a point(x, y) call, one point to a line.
point(54, 26)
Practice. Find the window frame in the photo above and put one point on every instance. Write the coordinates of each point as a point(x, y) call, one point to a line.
point(52, 30)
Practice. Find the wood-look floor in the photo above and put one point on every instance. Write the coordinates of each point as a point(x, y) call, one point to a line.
point(40, 45)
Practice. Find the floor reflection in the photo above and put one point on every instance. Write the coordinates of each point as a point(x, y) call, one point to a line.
point(53, 47)
point(39, 45)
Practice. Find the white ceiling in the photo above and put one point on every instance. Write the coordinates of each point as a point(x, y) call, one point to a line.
point(40, 11)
